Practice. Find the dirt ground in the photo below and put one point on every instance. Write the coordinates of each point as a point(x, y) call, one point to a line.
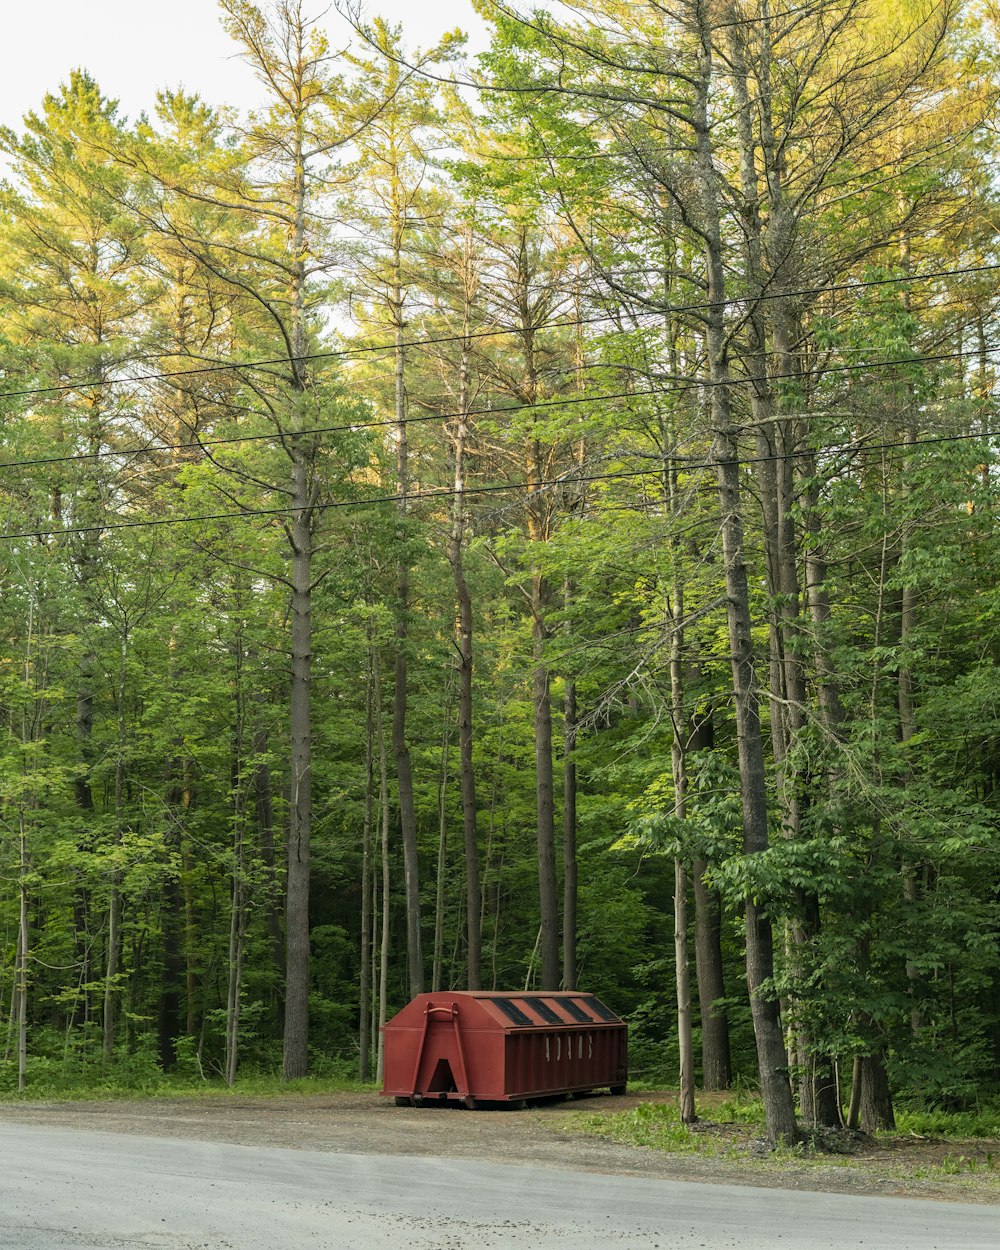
point(540, 1136)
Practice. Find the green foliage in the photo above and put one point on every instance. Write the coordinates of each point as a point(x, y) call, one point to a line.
point(927, 1122)
point(547, 260)
point(656, 1125)
point(743, 1108)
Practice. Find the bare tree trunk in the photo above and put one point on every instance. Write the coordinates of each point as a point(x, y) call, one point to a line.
point(12, 1011)
point(716, 1064)
point(570, 870)
point(875, 1100)
point(907, 728)
point(85, 729)
point(303, 498)
point(538, 532)
point(114, 877)
point(682, 964)
point(383, 780)
point(571, 874)
point(264, 811)
point(685, 1040)
point(771, 1055)
point(21, 975)
point(473, 886)
point(442, 859)
point(111, 970)
point(853, 1121)
point(177, 772)
point(545, 812)
point(364, 1013)
point(237, 913)
point(678, 768)
point(296, 1039)
point(237, 929)
point(404, 771)
point(470, 832)
point(376, 946)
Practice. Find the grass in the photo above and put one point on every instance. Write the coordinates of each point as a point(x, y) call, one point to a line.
point(960, 1149)
point(741, 1107)
point(54, 1083)
point(653, 1124)
point(985, 1123)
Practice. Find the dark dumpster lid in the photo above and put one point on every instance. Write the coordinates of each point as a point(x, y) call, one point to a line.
point(525, 1010)
point(510, 1009)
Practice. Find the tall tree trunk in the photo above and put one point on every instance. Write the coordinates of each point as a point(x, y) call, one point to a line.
point(678, 769)
point(544, 805)
point(780, 442)
point(570, 869)
point(538, 520)
point(383, 795)
point(114, 946)
point(771, 1055)
point(264, 811)
point(300, 536)
point(193, 1000)
point(168, 1015)
point(571, 873)
point(467, 772)
point(716, 1064)
point(238, 890)
point(85, 727)
point(237, 930)
point(364, 989)
point(12, 1009)
point(21, 971)
point(296, 1039)
point(875, 1101)
point(907, 725)
point(826, 1099)
point(682, 963)
point(716, 1060)
point(404, 771)
point(440, 884)
point(682, 969)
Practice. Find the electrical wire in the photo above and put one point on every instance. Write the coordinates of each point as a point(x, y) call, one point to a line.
point(570, 323)
point(673, 387)
point(810, 10)
point(534, 489)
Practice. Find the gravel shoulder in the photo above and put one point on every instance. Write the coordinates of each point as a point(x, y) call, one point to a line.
point(360, 1122)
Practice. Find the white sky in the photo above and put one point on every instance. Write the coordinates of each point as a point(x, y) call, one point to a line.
point(135, 47)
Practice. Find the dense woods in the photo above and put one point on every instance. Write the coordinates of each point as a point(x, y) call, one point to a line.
point(526, 521)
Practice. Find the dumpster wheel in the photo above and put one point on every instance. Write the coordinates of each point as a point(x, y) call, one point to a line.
point(469, 1102)
point(618, 1090)
point(402, 1101)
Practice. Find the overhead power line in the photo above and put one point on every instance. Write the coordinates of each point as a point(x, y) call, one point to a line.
point(802, 10)
point(674, 387)
point(533, 489)
point(223, 366)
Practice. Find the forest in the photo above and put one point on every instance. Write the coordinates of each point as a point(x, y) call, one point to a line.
point(524, 520)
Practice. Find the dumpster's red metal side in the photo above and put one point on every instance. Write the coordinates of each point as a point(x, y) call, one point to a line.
point(469, 1046)
point(541, 1063)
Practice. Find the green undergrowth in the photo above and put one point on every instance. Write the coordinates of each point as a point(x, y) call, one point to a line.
point(727, 1125)
point(656, 1125)
point(51, 1082)
point(982, 1123)
point(740, 1107)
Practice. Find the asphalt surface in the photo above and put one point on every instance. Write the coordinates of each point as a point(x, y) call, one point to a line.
point(72, 1190)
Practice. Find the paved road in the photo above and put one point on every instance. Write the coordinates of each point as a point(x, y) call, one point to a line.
point(71, 1190)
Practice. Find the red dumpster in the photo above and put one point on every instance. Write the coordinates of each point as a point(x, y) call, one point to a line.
point(470, 1046)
